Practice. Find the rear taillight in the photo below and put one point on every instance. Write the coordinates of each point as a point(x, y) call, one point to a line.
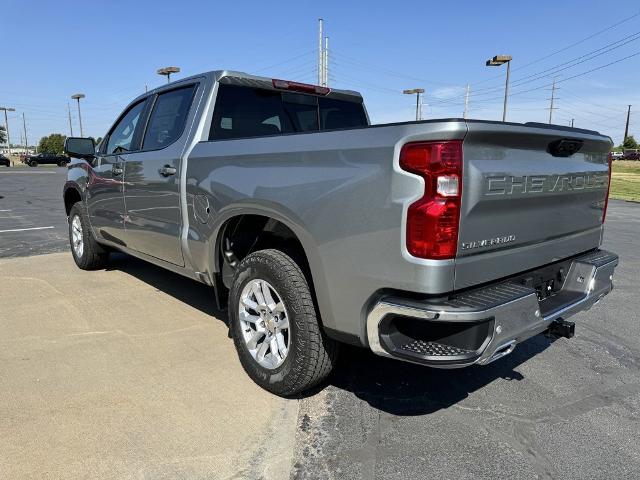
point(606, 199)
point(433, 220)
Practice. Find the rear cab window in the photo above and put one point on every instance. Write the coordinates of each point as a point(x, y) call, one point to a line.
point(245, 112)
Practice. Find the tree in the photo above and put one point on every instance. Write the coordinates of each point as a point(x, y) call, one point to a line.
point(630, 143)
point(53, 143)
point(3, 134)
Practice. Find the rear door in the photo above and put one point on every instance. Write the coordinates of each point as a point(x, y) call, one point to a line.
point(526, 200)
point(154, 219)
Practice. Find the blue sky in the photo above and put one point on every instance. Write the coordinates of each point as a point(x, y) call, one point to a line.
point(109, 50)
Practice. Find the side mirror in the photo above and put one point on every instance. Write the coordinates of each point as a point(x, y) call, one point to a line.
point(79, 147)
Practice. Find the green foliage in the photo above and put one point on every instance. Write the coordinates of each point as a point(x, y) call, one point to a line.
point(3, 134)
point(53, 143)
point(630, 142)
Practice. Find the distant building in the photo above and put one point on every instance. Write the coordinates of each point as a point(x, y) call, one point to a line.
point(17, 150)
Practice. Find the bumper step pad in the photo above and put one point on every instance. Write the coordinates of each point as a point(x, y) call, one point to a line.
point(434, 349)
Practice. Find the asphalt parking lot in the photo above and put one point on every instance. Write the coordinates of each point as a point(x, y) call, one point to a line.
point(128, 373)
point(32, 218)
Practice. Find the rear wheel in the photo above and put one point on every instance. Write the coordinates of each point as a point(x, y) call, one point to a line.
point(275, 327)
point(87, 253)
point(62, 164)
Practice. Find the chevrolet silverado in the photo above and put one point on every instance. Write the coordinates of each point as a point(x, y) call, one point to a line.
point(441, 242)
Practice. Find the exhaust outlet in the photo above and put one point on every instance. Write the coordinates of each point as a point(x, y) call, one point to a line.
point(562, 328)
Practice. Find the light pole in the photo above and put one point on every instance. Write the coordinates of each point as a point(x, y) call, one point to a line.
point(417, 92)
point(77, 97)
point(167, 71)
point(496, 62)
point(6, 125)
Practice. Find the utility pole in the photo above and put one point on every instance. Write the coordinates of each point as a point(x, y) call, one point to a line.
point(6, 125)
point(417, 92)
point(325, 68)
point(466, 103)
point(626, 128)
point(572, 123)
point(553, 95)
point(69, 114)
point(26, 142)
point(320, 52)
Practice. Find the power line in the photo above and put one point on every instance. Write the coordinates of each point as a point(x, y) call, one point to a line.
point(570, 63)
point(563, 49)
point(579, 41)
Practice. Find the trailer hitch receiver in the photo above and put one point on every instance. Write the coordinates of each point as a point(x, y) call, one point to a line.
point(562, 328)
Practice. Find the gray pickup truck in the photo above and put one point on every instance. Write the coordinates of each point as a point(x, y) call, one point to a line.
point(440, 242)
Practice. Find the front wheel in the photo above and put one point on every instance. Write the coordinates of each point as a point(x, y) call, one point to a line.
point(87, 253)
point(62, 164)
point(33, 163)
point(274, 324)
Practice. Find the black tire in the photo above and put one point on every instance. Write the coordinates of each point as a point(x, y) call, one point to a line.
point(62, 164)
point(311, 355)
point(33, 163)
point(94, 256)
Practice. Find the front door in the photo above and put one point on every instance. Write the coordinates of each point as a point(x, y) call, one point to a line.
point(152, 193)
point(105, 187)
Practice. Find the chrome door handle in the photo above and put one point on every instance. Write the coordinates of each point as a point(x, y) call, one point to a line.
point(167, 171)
point(117, 170)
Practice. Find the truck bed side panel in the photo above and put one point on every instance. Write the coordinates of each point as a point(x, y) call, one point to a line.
point(344, 196)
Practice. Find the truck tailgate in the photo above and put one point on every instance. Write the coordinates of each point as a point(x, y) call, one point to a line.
point(524, 204)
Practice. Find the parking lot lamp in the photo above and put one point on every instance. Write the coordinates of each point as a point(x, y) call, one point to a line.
point(167, 71)
point(6, 125)
point(417, 92)
point(77, 97)
point(496, 62)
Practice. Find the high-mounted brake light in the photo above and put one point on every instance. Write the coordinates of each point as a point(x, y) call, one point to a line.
point(433, 220)
point(606, 200)
point(300, 87)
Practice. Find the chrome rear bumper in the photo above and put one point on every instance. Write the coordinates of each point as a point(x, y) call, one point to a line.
point(496, 317)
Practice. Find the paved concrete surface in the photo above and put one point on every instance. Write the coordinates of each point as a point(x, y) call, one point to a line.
point(127, 373)
point(32, 216)
point(565, 409)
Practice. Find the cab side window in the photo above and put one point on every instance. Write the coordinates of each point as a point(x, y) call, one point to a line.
point(121, 138)
point(168, 117)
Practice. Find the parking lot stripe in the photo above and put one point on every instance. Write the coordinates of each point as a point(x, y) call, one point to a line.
point(25, 229)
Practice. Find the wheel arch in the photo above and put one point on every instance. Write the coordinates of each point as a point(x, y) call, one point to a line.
point(250, 230)
point(71, 196)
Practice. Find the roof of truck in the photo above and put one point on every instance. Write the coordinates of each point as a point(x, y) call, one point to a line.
point(247, 79)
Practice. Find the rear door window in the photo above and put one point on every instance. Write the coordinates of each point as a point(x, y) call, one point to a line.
point(168, 118)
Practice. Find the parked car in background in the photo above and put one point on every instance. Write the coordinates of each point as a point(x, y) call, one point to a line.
point(617, 155)
point(46, 159)
point(632, 156)
point(4, 161)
